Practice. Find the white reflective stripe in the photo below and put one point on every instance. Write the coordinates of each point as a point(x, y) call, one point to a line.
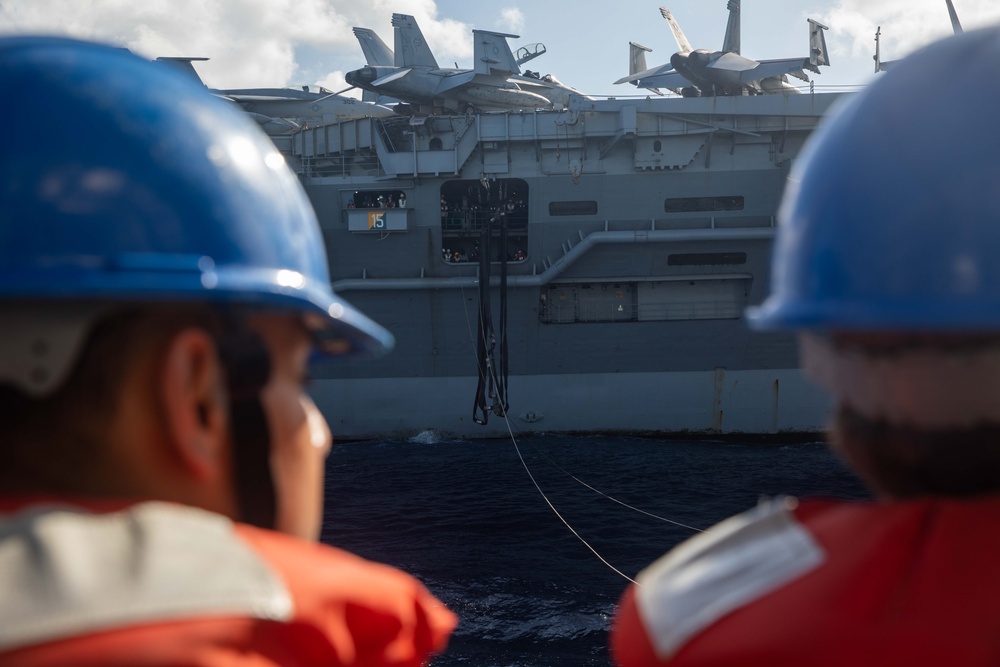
point(64, 571)
point(734, 563)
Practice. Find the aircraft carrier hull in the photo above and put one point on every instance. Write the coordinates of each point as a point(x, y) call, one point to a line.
point(634, 233)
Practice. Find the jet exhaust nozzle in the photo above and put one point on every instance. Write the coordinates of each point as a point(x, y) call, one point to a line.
point(361, 77)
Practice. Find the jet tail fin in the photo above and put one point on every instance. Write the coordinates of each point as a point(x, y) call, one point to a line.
point(637, 58)
point(183, 65)
point(731, 43)
point(492, 53)
point(377, 53)
point(682, 41)
point(956, 26)
point(818, 55)
point(879, 65)
point(637, 63)
point(411, 48)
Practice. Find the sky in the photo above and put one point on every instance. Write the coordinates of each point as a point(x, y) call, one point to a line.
point(276, 43)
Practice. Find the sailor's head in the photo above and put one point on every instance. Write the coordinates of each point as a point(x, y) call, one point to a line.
point(885, 262)
point(151, 231)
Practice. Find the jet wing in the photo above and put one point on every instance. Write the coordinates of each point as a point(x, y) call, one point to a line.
point(734, 62)
point(645, 74)
point(257, 94)
point(884, 65)
point(389, 78)
point(674, 81)
point(453, 81)
point(776, 68)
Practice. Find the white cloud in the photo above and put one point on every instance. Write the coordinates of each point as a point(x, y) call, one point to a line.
point(512, 20)
point(263, 43)
point(250, 43)
point(906, 25)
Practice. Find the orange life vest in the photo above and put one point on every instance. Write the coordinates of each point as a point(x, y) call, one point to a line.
point(160, 584)
point(824, 583)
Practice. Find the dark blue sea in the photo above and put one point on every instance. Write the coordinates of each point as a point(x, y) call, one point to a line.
point(478, 521)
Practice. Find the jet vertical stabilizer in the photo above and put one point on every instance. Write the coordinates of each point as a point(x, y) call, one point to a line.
point(637, 58)
point(818, 55)
point(492, 54)
point(637, 61)
point(956, 26)
point(183, 65)
point(731, 43)
point(682, 42)
point(411, 48)
point(376, 51)
point(879, 65)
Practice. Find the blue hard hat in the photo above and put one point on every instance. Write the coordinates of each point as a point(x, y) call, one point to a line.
point(891, 219)
point(122, 180)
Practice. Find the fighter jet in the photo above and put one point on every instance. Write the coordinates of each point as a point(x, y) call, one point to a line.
point(282, 110)
point(495, 83)
point(695, 72)
point(881, 66)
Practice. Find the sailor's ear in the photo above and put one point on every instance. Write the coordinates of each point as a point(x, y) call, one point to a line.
point(192, 386)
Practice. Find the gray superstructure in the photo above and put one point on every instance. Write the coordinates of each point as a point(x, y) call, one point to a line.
point(645, 227)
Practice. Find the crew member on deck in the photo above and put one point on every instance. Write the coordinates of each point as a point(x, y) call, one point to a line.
point(885, 263)
point(163, 286)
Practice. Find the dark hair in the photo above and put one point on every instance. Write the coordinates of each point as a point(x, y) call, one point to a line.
point(50, 444)
point(904, 462)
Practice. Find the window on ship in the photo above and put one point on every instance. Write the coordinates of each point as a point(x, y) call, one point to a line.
point(698, 204)
point(377, 199)
point(694, 298)
point(467, 206)
point(587, 207)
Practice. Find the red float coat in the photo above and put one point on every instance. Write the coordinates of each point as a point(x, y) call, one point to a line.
point(162, 584)
point(824, 583)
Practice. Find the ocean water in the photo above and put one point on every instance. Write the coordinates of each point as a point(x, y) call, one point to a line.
point(529, 542)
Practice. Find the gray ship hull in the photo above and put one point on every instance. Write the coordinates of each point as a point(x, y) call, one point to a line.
point(669, 403)
point(634, 233)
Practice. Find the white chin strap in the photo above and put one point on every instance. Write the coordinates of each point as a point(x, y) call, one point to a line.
point(920, 387)
point(39, 343)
